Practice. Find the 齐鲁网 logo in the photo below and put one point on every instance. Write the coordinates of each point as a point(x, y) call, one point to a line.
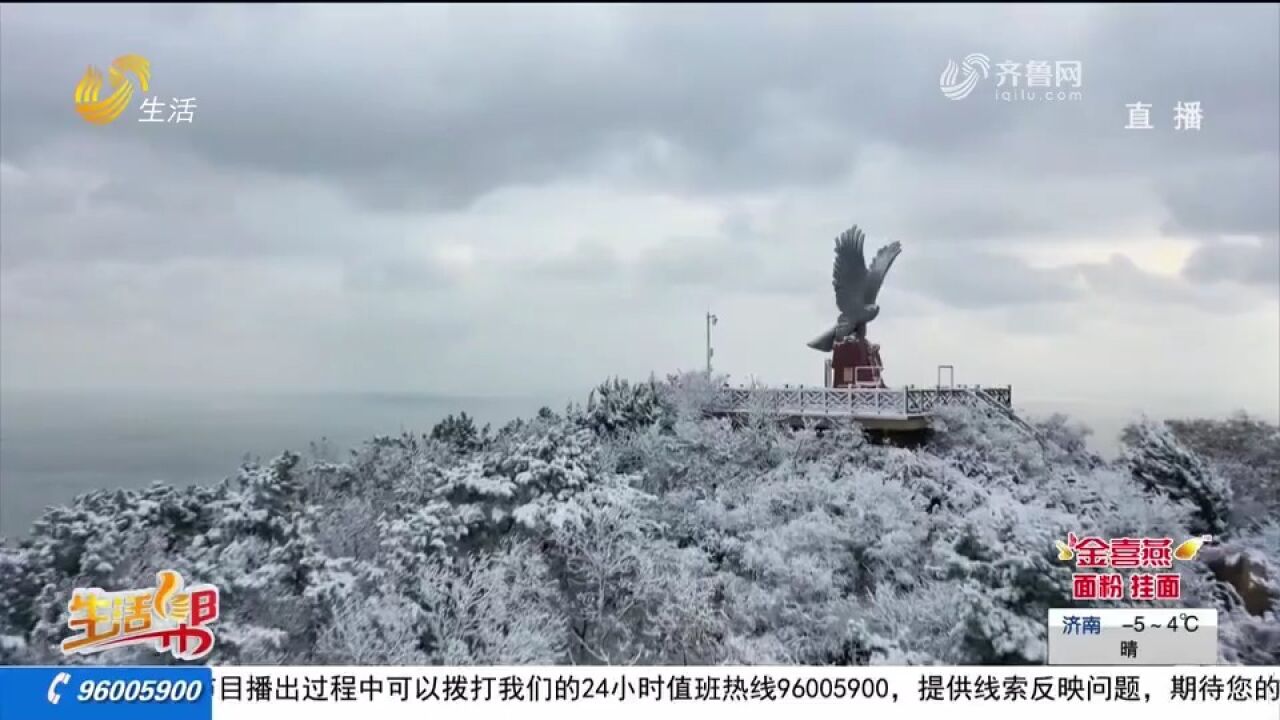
point(958, 81)
point(1042, 80)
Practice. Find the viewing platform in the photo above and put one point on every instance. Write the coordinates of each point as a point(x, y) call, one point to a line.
point(875, 408)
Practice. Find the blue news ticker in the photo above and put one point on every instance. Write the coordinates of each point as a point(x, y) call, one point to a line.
point(78, 692)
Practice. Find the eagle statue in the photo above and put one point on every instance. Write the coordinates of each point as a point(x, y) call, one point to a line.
point(856, 287)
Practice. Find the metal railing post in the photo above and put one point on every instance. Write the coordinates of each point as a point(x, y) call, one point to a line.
point(951, 376)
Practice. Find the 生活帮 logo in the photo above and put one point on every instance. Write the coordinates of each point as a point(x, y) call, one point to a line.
point(168, 617)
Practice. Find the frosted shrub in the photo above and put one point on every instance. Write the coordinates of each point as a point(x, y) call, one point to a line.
point(617, 405)
point(689, 396)
point(492, 609)
point(459, 433)
point(1245, 451)
point(1161, 463)
point(381, 632)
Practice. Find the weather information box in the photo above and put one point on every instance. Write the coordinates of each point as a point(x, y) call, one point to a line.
point(1138, 636)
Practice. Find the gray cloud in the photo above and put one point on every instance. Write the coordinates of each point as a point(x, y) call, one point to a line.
point(980, 279)
point(695, 99)
point(1119, 282)
point(398, 274)
point(586, 261)
point(394, 195)
point(1251, 263)
point(1237, 196)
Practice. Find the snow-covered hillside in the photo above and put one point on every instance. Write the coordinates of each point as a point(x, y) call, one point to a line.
point(634, 530)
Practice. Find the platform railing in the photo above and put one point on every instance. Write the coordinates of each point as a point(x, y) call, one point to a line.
point(854, 401)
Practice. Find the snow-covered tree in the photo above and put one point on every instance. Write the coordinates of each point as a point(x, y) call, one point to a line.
point(1161, 463)
point(459, 433)
point(617, 405)
point(493, 608)
point(1245, 451)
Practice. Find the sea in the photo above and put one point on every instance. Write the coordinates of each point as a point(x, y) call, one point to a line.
point(56, 445)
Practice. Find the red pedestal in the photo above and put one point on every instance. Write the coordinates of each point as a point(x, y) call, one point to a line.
point(856, 363)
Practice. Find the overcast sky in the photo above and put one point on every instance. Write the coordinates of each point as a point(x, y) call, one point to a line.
point(498, 200)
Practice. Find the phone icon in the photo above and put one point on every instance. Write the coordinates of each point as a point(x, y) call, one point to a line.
point(61, 678)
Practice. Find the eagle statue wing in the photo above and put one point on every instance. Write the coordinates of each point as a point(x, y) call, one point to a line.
point(880, 265)
point(849, 275)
